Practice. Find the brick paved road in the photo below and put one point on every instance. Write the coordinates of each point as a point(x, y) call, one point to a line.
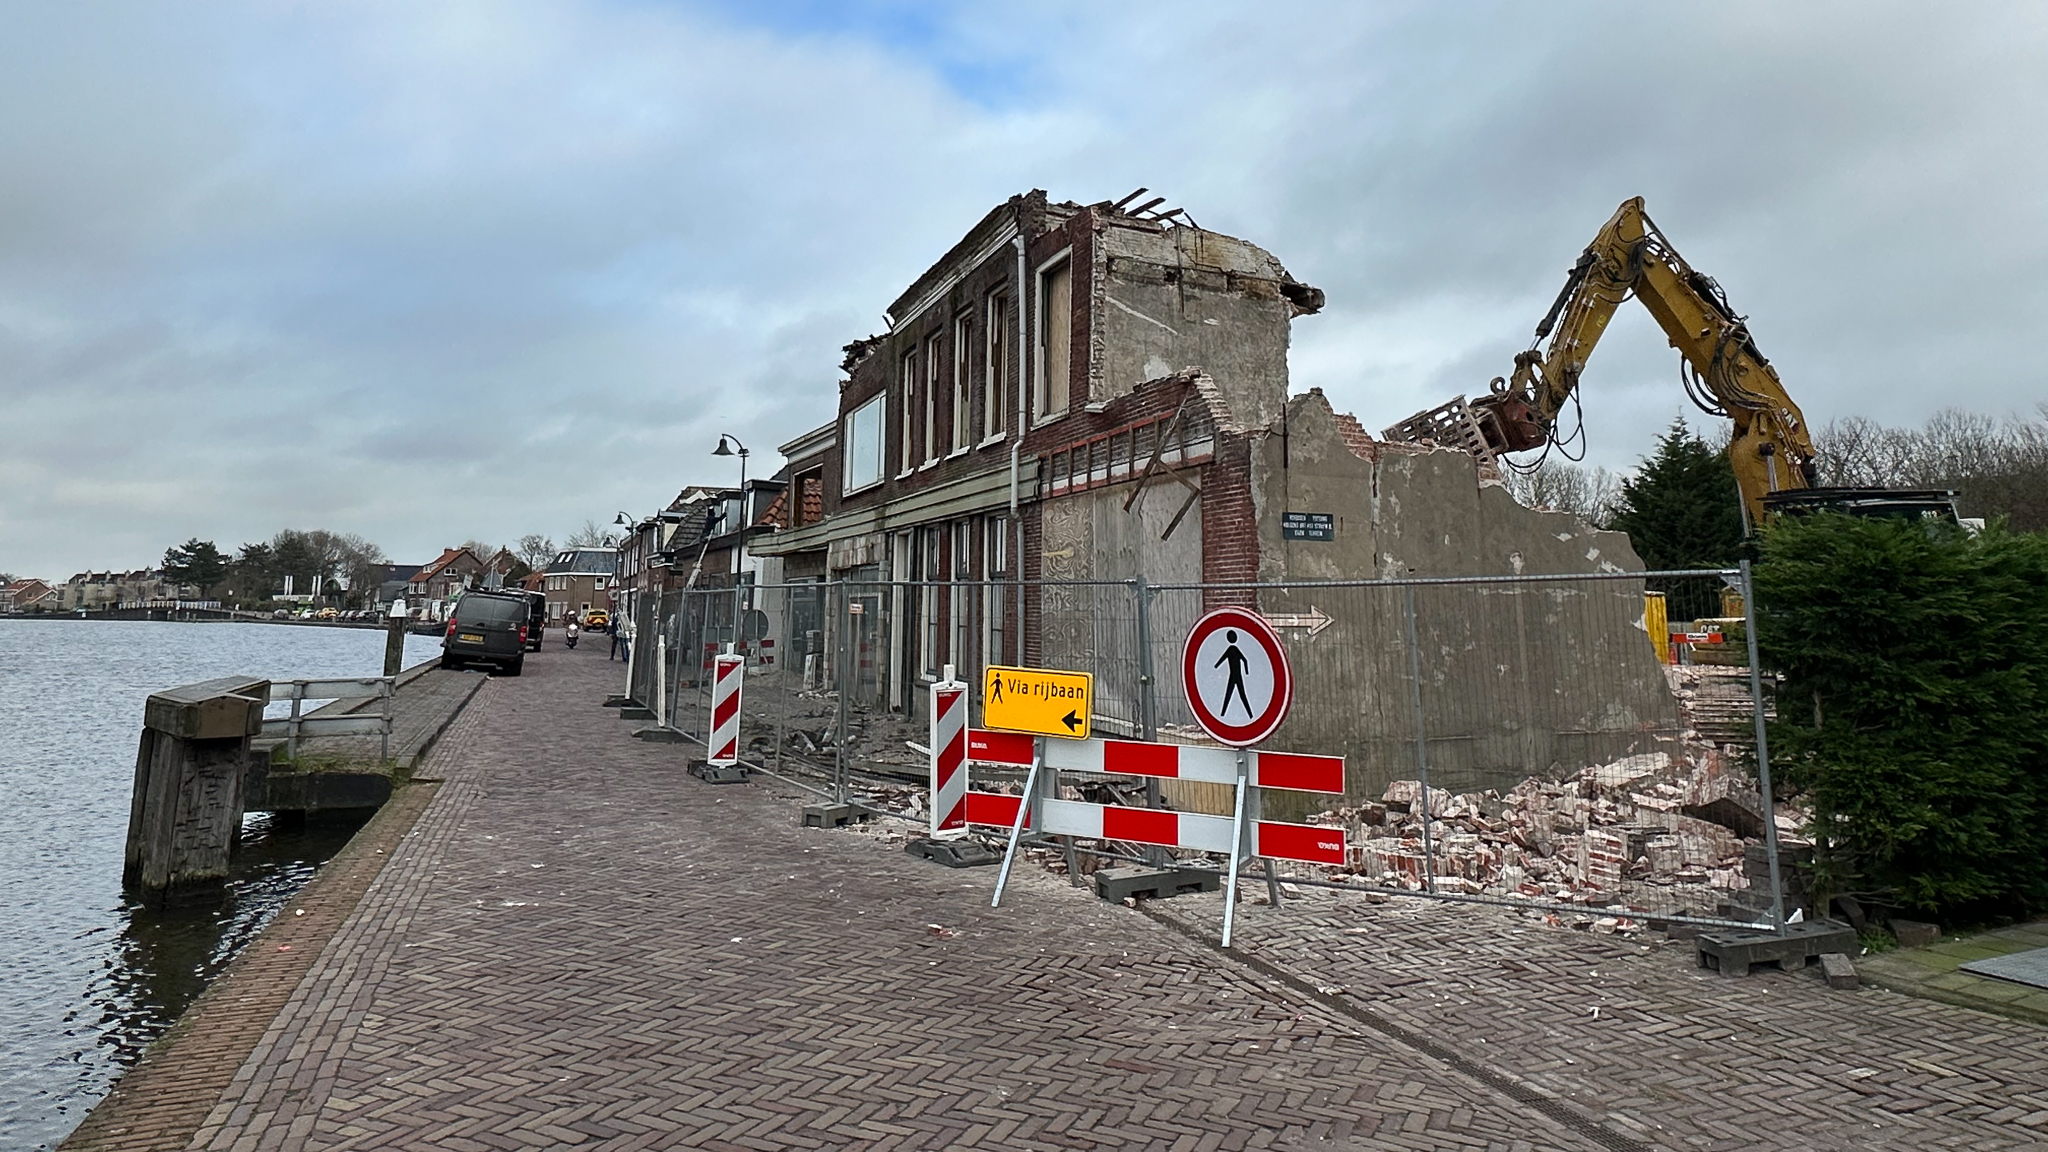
point(579, 945)
point(1641, 1036)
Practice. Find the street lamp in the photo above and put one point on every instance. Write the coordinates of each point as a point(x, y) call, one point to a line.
point(726, 442)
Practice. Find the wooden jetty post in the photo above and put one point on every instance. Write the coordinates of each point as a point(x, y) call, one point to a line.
point(186, 813)
point(394, 637)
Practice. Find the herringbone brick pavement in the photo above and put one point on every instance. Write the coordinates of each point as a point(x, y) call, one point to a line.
point(1638, 1034)
point(580, 945)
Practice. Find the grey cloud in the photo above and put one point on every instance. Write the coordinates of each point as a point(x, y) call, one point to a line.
point(418, 270)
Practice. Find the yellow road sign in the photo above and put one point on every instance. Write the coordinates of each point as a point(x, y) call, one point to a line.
point(1038, 700)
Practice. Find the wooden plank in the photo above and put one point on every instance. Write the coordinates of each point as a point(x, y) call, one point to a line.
point(226, 709)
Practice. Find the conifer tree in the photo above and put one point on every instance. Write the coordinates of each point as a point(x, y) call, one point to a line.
point(1681, 508)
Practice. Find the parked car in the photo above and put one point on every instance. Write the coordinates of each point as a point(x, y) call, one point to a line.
point(488, 626)
point(596, 618)
point(327, 614)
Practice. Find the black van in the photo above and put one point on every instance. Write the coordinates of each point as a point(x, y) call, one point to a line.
point(489, 627)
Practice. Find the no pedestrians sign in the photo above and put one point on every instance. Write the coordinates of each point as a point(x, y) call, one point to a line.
point(1235, 673)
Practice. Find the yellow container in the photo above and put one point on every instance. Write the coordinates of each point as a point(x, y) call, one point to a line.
point(1657, 625)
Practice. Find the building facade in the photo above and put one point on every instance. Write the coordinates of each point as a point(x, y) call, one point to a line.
point(1052, 338)
point(578, 581)
point(1075, 398)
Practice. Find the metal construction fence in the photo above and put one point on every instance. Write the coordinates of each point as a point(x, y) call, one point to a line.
point(1565, 742)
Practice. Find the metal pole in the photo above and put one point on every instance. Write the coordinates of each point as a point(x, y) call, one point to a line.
point(1255, 812)
point(1763, 753)
point(1148, 704)
point(844, 621)
point(1236, 845)
point(782, 676)
point(1421, 738)
point(1017, 823)
point(739, 560)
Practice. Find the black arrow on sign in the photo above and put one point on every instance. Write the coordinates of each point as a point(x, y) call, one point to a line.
point(1072, 722)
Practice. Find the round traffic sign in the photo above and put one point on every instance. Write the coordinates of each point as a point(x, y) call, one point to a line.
point(1234, 671)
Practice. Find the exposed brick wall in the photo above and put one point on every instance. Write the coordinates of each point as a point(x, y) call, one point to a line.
point(1230, 530)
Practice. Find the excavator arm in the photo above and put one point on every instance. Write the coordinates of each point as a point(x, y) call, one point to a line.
point(1726, 375)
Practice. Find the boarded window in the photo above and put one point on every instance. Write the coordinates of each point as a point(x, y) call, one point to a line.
point(1055, 344)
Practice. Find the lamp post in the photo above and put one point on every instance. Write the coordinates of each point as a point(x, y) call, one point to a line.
point(726, 442)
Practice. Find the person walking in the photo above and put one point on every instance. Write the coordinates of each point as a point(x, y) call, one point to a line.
point(612, 626)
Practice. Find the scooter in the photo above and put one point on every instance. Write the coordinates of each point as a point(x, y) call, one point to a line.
point(573, 631)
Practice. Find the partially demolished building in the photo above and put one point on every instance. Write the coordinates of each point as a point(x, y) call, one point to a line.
point(1076, 395)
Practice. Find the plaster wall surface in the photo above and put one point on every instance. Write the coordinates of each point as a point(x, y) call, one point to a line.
point(1187, 297)
point(1522, 679)
point(1093, 627)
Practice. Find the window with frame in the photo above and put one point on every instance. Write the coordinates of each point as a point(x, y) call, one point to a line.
point(960, 601)
point(928, 576)
point(863, 440)
point(998, 366)
point(963, 346)
point(1055, 338)
point(909, 386)
point(994, 565)
point(932, 377)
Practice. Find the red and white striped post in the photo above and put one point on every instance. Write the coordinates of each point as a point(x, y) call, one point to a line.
point(949, 756)
point(722, 747)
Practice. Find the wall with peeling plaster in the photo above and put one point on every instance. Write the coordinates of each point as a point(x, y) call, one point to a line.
point(1522, 679)
point(1182, 296)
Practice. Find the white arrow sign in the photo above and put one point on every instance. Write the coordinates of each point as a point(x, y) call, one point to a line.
point(1314, 620)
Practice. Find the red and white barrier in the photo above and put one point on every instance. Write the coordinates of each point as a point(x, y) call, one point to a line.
point(949, 756)
point(729, 673)
point(1295, 771)
point(1309, 843)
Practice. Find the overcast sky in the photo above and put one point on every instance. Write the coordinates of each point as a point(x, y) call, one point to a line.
point(428, 271)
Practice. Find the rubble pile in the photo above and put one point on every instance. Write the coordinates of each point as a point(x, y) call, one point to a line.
point(1657, 833)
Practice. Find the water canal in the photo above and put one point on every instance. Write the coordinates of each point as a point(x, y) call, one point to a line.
point(88, 979)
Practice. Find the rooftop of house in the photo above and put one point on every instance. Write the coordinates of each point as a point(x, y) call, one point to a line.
point(585, 562)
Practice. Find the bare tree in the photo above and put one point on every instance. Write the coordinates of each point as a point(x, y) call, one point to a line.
point(589, 536)
point(535, 551)
point(1561, 486)
point(1996, 467)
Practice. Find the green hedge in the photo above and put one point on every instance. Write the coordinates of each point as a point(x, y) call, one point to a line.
point(1913, 712)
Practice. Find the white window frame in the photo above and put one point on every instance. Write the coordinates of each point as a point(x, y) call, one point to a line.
point(960, 603)
point(875, 410)
point(963, 361)
point(933, 357)
point(928, 576)
point(995, 543)
point(907, 372)
point(997, 366)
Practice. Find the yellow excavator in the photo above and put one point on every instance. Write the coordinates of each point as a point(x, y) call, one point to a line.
point(1771, 451)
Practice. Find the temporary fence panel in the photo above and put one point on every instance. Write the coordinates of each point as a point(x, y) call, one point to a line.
point(1514, 738)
